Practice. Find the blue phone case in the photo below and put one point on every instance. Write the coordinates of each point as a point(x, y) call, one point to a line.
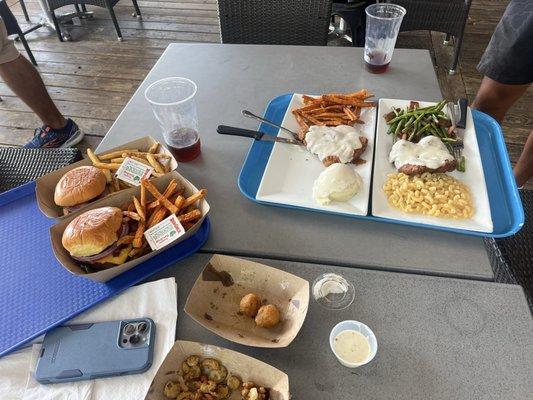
point(90, 351)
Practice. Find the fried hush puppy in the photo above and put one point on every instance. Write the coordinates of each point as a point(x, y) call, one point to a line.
point(250, 304)
point(267, 316)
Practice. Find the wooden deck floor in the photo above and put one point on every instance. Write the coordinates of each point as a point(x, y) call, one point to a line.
point(92, 78)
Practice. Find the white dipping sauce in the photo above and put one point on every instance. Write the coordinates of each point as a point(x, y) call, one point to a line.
point(352, 346)
point(338, 141)
point(430, 151)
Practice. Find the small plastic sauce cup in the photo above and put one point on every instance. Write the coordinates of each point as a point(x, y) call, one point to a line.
point(354, 326)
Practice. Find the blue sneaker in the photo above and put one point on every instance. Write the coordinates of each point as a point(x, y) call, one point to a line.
point(46, 137)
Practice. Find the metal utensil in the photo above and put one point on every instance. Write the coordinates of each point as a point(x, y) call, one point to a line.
point(249, 114)
point(230, 130)
point(457, 113)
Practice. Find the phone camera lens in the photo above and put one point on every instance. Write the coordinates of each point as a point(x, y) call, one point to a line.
point(129, 329)
point(142, 327)
point(135, 339)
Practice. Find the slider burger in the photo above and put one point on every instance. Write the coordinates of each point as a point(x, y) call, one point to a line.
point(93, 237)
point(78, 187)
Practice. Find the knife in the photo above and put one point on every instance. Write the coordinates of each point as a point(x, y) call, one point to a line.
point(230, 130)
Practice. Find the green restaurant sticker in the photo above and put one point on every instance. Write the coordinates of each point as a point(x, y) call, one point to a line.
point(132, 171)
point(165, 232)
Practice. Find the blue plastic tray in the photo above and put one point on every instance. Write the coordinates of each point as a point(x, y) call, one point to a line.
point(505, 205)
point(36, 292)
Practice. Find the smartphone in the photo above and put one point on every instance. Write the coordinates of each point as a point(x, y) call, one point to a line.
point(89, 351)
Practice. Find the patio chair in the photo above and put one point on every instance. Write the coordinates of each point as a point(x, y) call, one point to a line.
point(13, 28)
point(353, 13)
point(288, 22)
point(19, 166)
point(109, 4)
point(447, 16)
point(512, 258)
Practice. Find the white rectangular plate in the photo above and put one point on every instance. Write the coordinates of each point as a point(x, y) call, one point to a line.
point(291, 170)
point(473, 177)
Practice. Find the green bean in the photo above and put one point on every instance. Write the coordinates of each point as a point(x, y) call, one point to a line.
point(410, 122)
point(398, 127)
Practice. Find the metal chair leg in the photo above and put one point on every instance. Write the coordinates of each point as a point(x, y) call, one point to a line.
point(137, 9)
point(457, 50)
point(77, 6)
point(27, 48)
point(447, 40)
point(114, 19)
point(56, 26)
point(24, 10)
point(84, 8)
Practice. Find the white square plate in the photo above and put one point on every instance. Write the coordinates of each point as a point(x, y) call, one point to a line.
point(291, 170)
point(473, 177)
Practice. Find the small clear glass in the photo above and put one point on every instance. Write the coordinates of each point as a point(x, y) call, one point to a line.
point(174, 106)
point(333, 291)
point(383, 22)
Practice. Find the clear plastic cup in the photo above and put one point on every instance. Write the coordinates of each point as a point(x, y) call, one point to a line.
point(333, 291)
point(383, 22)
point(174, 107)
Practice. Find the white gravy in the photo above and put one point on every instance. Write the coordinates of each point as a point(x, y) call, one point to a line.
point(338, 141)
point(430, 151)
point(352, 346)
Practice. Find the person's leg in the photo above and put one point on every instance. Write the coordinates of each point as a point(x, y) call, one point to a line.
point(496, 98)
point(24, 80)
point(523, 170)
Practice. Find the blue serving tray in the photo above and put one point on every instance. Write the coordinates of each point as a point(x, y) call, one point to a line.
point(505, 204)
point(36, 292)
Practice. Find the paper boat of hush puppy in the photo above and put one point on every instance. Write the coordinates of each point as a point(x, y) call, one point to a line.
point(118, 232)
point(249, 303)
point(194, 370)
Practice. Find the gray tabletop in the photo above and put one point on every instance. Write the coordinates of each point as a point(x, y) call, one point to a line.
point(438, 338)
point(233, 77)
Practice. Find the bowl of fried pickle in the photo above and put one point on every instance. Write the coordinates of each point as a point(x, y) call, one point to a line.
point(196, 371)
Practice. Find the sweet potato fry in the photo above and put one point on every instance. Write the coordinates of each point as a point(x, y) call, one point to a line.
point(137, 241)
point(126, 239)
point(143, 197)
point(132, 215)
point(158, 216)
point(139, 208)
point(179, 202)
point(155, 164)
point(113, 154)
point(194, 198)
point(190, 216)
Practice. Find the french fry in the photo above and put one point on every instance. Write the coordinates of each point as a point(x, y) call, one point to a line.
point(137, 240)
point(187, 225)
point(118, 160)
point(111, 166)
point(155, 164)
point(143, 197)
point(157, 174)
point(93, 157)
point(153, 148)
point(108, 176)
point(140, 159)
point(143, 154)
point(131, 207)
point(139, 208)
point(169, 191)
point(190, 216)
point(194, 198)
point(132, 215)
point(114, 154)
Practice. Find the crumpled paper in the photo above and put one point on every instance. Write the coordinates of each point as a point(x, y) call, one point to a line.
point(156, 300)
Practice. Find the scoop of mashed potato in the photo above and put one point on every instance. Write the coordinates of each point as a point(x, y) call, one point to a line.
point(338, 182)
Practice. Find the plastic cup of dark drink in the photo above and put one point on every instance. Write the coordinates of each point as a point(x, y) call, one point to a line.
point(174, 107)
point(383, 22)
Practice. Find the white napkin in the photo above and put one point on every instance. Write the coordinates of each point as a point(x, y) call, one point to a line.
point(157, 300)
